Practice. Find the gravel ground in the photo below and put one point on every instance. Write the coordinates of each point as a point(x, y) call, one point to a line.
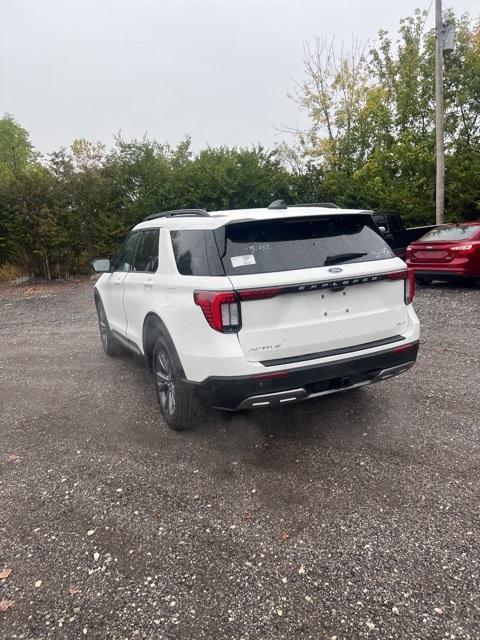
point(355, 516)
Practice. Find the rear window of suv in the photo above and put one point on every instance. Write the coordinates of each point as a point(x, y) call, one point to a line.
point(300, 243)
point(454, 232)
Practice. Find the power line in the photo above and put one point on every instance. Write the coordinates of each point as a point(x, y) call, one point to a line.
point(426, 16)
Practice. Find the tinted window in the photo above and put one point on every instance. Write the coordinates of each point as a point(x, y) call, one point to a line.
point(125, 256)
point(146, 255)
point(380, 220)
point(283, 245)
point(190, 253)
point(454, 232)
point(395, 222)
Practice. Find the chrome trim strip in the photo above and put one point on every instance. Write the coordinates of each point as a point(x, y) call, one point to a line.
point(339, 283)
point(332, 352)
point(297, 395)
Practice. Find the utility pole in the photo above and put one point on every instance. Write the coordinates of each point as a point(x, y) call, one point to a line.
point(440, 181)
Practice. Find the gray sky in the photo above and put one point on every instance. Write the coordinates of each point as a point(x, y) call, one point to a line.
point(218, 70)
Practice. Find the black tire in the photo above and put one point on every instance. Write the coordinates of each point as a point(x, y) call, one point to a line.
point(110, 345)
point(180, 408)
point(424, 280)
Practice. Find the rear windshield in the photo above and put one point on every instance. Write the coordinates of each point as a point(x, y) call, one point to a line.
point(455, 232)
point(301, 243)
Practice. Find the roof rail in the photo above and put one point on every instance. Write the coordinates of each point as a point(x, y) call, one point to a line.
point(280, 204)
point(323, 205)
point(277, 204)
point(178, 212)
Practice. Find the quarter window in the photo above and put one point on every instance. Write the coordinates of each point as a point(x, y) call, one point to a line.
point(190, 252)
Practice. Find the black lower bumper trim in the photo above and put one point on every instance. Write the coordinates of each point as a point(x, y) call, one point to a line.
point(443, 275)
point(332, 352)
point(230, 392)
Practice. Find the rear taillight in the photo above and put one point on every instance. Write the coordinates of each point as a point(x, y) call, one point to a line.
point(398, 275)
point(404, 347)
point(221, 309)
point(274, 375)
point(462, 247)
point(259, 294)
point(410, 287)
point(408, 276)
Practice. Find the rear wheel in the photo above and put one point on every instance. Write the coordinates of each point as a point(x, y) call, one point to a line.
point(179, 407)
point(110, 345)
point(423, 280)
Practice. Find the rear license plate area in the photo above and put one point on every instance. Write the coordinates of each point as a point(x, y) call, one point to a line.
point(430, 255)
point(334, 302)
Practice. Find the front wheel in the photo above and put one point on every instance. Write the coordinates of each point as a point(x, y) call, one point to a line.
point(179, 407)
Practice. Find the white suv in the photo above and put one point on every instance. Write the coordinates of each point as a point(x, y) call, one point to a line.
point(257, 307)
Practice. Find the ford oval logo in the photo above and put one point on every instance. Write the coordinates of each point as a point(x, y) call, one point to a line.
point(335, 270)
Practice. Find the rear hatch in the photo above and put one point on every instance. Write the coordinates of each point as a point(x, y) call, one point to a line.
point(313, 286)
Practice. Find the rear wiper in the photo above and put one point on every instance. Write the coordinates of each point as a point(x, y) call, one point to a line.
point(342, 257)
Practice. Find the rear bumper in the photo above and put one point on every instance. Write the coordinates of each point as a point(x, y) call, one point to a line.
point(246, 392)
point(444, 271)
point(438, 274)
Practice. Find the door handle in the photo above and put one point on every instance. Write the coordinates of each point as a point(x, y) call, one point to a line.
point(148, 284)
point(118, 281)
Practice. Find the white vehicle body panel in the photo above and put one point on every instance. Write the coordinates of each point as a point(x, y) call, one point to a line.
point(112, 287)
point(289, 325)
point(317, 319)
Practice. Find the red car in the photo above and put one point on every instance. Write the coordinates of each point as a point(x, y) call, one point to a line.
point(447, 251)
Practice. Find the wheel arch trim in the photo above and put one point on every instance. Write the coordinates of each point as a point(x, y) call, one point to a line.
point(148, 343)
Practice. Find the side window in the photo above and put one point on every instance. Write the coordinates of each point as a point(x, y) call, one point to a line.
point(146, 255)
point(395, 223)
point(381, 221)
point(125, 255)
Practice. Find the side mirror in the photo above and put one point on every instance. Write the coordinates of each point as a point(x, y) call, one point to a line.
point(101, 265)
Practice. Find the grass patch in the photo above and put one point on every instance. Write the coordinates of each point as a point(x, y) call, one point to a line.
point(10, 272)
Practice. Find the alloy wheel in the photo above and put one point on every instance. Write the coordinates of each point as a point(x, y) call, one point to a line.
point(165, 383)
point(103, 324)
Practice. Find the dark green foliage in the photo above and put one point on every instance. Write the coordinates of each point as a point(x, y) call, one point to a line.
point(59, 214)
point(371, 145)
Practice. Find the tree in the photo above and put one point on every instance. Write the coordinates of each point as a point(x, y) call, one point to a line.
point(16, 150)
point(370, 144)
point(17, 157)
point(372, 133)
